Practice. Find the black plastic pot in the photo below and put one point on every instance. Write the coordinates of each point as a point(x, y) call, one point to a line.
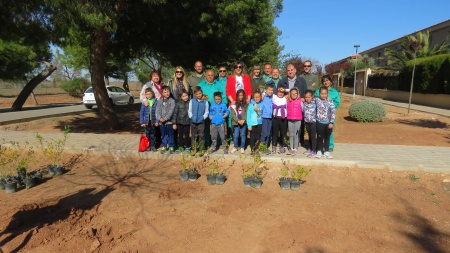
point(183, 175)
point(193, 175)
point(29, 182)
point(256, 183)
point(295, 185)
point(248, 181)
point(211, 179)
point(285, 183)
point(56, 170)
point(10, 187)
point(220, 179)
point(38, 177)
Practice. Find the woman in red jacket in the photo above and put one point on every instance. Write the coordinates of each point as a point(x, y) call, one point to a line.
point(238, 81)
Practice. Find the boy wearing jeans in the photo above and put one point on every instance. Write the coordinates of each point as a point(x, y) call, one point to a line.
point(267, 115)
point(198, 112)
point(164, 112)
point(217, 114)
point(148, 118)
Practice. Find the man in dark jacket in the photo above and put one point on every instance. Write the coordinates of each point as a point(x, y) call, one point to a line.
point(291, 81)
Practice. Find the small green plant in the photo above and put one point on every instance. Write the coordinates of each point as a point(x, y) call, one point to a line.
point(185, 159)
point(212, 165)
point(298, 173)
point(285, 172)
point(435, 201)
point(413, 177)
point(246, 167)
point(53, 148)
point(367, 111)
point(9, 160)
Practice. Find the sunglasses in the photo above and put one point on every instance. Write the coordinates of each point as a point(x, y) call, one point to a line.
point(222, 71)
point(307, 66)
point(238, 67)
point(179, 72)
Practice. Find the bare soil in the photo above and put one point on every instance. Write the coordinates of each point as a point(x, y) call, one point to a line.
point(122, 204)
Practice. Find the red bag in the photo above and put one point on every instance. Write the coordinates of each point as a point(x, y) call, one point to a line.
point(144, 143)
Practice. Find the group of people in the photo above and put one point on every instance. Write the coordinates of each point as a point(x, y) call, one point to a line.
point(203, 111)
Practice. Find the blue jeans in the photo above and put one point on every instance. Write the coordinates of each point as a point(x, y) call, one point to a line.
point(167, 135)
point(242, 131)
point(266, 131)
point(150, 133)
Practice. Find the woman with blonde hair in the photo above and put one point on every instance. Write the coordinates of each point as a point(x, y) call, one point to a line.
point(178, 83)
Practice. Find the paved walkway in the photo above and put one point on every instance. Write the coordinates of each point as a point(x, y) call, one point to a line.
point(392, 157)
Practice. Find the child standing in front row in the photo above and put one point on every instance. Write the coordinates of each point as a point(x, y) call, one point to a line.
point(267, 116)
point(164, 113)
point(148, 117)
point(218, 112)
point(294, 116)
point(279, 120)
point(255, 120)
point(326, 114)
point(309, 113)
point(238, 113)
point(198, 111)
point(182, 122)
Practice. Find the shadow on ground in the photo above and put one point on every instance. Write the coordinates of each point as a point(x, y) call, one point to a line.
point(427, 123)
point(127, 115)
point(419, 230)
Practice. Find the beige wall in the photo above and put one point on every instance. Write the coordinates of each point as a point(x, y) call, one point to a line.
point(433, 100)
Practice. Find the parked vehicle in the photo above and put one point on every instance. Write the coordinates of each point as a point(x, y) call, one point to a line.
point(116, 96)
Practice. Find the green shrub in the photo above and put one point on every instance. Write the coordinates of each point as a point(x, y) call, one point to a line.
point(367, 111)
point(76, 86)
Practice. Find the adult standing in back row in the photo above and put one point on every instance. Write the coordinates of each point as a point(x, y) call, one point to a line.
point(312, 81)
point(291, 81)
point(238, 81)
point(196, 78)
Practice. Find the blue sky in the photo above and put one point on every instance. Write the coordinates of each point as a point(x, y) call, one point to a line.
point(327, 30)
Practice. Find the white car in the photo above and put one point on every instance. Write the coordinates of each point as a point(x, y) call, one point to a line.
point(116, 95)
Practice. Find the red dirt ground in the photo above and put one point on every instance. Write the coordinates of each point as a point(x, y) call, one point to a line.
point(111, 204)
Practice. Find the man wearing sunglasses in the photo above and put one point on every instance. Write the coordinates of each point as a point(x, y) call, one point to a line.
point(198, 76)
point(222, 78)
point(312, 81)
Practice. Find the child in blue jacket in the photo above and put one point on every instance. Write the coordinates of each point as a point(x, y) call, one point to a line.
point(217, 114)
point(148, 117)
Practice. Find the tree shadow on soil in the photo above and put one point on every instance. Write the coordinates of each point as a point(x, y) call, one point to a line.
point(348, 118)
point(425, 235)
point(128, 116)
point(33, 217)
point(427, 123)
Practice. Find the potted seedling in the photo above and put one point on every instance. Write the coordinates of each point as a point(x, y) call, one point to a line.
point(259, 166)
point(196, 165)
point(247, 175)
point(185, 158)
point(10, 158)
point(222, 172)
point(285, 179)
point(53, 150)
point(297, 176)
point(213, 167)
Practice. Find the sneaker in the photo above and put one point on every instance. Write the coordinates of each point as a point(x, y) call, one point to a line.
point(318, 154)
point(294, 151)
point(212, 150)
point(242, 151)
point(171, 150)
point(187, 150)
point(274, 150)
point(312, 154)
point(282, 150)
point(153, 149)
point(307, 152)
point(288, 152)
point(328, 155)
point(252, 153)
point(163, 150)
point(225, 151)
point(331, 150)
point(233, 150)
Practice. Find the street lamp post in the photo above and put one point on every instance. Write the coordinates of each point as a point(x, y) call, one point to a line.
point(356, 63)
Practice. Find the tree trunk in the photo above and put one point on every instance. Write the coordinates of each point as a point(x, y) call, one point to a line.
point(97, 71)
point(125, 83)
point(31, 85)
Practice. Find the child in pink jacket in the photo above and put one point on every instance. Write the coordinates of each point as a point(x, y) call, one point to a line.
point(294, 116)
